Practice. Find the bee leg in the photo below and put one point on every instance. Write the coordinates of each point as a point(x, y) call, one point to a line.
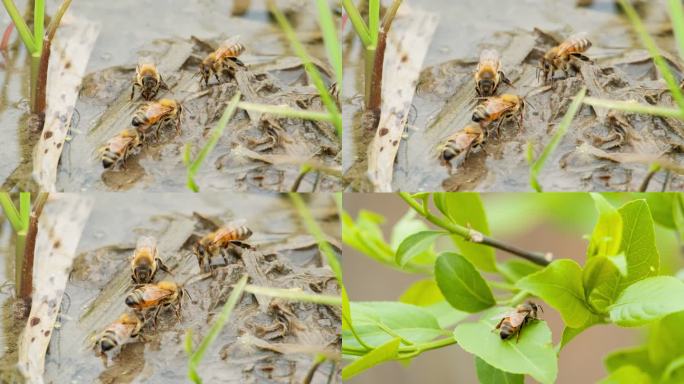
point(505, 79)
point(517, 337)
point(163, 266)
point(162, 84)
point(156, 314)
point(132, 91)
point(498, 127)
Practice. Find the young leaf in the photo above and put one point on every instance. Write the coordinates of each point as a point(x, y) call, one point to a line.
point(461, 284)
point(648, 300)
point(637, 357)
point(407, 226)
point(515, 269)
point(422, 293)
point(627, 374)
point(365, 236)
point(601, 280)
point(490, 375)
point(415, 245)
point(666, 340)
point(638, 242)
point(466, 209)
point(560, 285)
point(372, 320)
point(533, 354)
point(385, 352)
point(607, 235)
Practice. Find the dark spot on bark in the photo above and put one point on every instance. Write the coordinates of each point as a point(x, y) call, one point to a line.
point(34, 321)
point(67, 65)
point(381, 148)
point(33, 339)
point(46, 150)
point(47, 135)
point(395, 142)
point(59, 145)
point(404, 58)
point(384, 131)
point(46, 333)
point(57, 244)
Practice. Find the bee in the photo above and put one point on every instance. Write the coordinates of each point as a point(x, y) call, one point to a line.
point(559, 57)
point(156, 296)
point(146, 261)
point(156, 115)
point(462, 141)
point(119, 147)
point(219, 240)
point(499, 108)
point(148, 79)
point(489, 73)
point(123, 330)
point(513, 322)
point(222, 60)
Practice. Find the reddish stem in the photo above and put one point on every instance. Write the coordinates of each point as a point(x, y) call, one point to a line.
point(4, 45)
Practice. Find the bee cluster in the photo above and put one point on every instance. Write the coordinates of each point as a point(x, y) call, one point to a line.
point(499, 109)
point(153, 116)
point(148, 299)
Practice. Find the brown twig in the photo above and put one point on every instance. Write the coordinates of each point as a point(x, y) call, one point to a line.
point(40, 102)
point(375, 98)
point(26, 287)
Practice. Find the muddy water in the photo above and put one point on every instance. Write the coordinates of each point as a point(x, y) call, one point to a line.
point(444, 102)
point(264, 341)
point(243, 159)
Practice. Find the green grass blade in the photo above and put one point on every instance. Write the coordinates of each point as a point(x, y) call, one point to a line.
point(677, 17)
point(39, 24)
point(556, 139)
point(25, 209)
point(20, 24)
point(295, 295)
point(652, 48)
point(318, 234)
point(330, 38)
point(357, 22)
point(310, 68)
point(374, 20)
point(213, 140)
point(286, 111)
point(216, 328)
point(11, 212)
point(634, 107)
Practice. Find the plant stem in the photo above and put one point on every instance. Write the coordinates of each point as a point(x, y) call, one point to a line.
point(38, 23)
point(286, 111)
point(634, 107)
point(655, 168)
point(474, 236)
point(374, 88)
point(357, 22)
point(294, 295)
point(26, 287)
point(20, 23)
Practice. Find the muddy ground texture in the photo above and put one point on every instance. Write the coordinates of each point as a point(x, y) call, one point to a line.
point(602, 151)
point(256, 152)
point(266, 340)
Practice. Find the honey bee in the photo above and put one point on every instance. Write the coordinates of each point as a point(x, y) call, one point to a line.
point(123, 330)
point(222, 60)
point(499, 108)
point(559, 57)
point(146, 261)
point(156, 296)
point(489, 73)
point(462, 141)
point(119, 147)
point(513, 322)
point(219, 240)
point(148, 79)
point(156, 115)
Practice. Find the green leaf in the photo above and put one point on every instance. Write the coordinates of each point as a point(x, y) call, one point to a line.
point(607, 235)
point(533, 354)
point(560, 285)
point(674, 372)
point(627, 374)
point(601, 280)
point(415, 245)
point(490, 375)
point(407, 226)
point(666, 340)
point(515, 269)
point(638, 242)
point(385, 352)
point(570, 333)
point(365, 236)
point(461, 284)
point(637, 357)
point(422, 293)
point(372, 319)
point(648, 300)
point(466, 209)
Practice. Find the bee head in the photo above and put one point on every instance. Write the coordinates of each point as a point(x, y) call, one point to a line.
point(142, 274)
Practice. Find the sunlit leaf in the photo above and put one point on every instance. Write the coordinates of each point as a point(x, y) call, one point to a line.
point(638, 242)
point(415, 245)
point(532, 355)
point(627, 374)
point(560, 285)
point(607, 234)
point(490, 375)
point(648, 300)
point(385, 352)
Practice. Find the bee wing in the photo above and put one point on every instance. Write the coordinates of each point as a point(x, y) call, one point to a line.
point(146, 60)
point(156, 109)
point(570, 43)
point(497, 105)
point(146, 241)
point(236, 223)
point(517, 319)
point(489, 56)
point(505, 314)
point(152, 293)
point(226, 45)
